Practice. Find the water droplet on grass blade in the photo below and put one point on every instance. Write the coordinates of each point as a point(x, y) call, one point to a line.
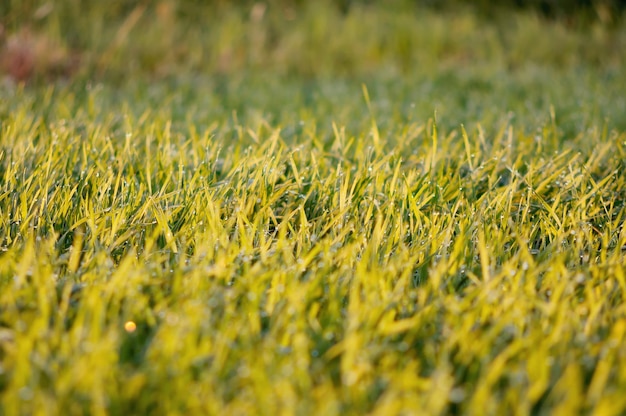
point(130, 326)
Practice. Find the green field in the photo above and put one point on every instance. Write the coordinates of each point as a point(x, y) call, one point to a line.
point(308, 209)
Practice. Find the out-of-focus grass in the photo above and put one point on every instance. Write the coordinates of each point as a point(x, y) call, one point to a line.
point(297, 233)
point(167, 38)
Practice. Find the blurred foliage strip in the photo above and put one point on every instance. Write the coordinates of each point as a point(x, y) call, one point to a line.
point(44, 40)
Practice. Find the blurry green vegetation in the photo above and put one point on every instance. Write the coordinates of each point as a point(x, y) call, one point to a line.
point(126, 39)
point(312, 208)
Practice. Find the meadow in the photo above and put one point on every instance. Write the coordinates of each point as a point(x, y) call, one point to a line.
point(303, 209)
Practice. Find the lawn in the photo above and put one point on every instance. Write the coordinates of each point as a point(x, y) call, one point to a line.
point(307, 209)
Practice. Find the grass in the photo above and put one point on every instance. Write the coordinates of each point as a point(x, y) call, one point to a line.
point(339, 240)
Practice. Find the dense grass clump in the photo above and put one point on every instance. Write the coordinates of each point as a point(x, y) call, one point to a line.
point(344, 240)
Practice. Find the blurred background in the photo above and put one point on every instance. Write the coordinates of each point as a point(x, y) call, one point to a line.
point(43, 41)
